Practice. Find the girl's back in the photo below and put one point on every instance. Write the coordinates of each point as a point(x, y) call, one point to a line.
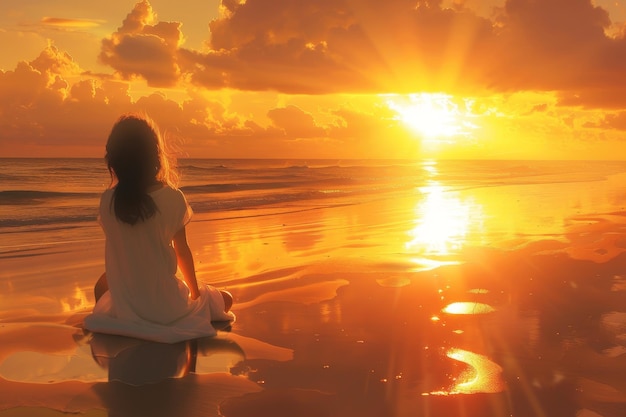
point(141, 262)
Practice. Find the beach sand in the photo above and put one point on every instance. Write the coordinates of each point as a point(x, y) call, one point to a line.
point(344, 310)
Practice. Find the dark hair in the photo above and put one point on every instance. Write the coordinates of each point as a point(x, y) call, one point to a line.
point(135, 159)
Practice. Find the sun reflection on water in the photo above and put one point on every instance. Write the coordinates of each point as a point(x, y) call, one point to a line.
point(445, 220)
point(483, 375)
point(76, 301)
point(468, 308)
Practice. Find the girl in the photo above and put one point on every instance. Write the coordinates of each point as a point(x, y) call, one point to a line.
point(143, 217)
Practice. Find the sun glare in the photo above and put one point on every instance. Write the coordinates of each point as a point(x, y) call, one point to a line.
point(435, 116)
point(443, 221)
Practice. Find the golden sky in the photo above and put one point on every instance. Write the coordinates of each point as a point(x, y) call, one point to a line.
point(514, 79)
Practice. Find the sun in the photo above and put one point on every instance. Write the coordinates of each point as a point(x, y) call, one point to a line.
point(434, 116)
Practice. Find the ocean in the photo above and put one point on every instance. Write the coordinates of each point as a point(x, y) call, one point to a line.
point(507, 197)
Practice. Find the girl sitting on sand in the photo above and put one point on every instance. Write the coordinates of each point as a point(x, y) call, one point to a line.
point(143, 217)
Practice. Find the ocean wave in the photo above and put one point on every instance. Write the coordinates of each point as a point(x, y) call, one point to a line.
point(251, 202)
point(284, 182)
point(295, 196)
point(6, 177)
point(192, 168)
point(228, 188)
point(48, 220)
point(17, 197)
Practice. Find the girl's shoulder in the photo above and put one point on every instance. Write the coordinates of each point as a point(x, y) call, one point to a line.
point(107, 195)
point(167, 190)
point(169, 195)
point(172, 200)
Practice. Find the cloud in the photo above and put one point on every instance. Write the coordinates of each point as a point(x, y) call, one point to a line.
point(319, 47)
point(368, 46)
point(71, 23)
point(555, 45)
point(296, 123)
point(50, 106)
point(615, 121)
point(331, 46)
point(39, 105)
point(312, 49)
point(40, 80)
point(140, 48)
point(53, 61)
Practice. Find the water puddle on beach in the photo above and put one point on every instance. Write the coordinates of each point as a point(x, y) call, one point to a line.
point(482, 376)
point(467, 308)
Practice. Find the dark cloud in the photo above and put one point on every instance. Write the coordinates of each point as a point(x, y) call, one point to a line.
point(552, 45)
point(342, 46)
point(328, 46)
point(369, 46)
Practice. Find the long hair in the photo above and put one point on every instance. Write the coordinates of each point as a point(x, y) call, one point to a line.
point(136, 160)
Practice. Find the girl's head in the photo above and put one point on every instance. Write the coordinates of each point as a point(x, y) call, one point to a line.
point(137, 161)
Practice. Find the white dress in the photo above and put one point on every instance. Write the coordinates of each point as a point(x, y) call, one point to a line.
point(145, 298)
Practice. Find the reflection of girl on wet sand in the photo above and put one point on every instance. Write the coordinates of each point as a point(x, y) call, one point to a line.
point(144, 217)
point(159, 379)
point(138, 362)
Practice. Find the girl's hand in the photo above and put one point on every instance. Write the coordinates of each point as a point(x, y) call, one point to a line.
point(194, 294)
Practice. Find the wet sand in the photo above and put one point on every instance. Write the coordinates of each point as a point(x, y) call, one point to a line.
point(349, 310)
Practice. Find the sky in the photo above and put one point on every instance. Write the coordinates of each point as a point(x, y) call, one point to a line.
point(304, 79)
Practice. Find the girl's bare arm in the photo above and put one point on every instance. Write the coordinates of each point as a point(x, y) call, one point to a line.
point(185, 262)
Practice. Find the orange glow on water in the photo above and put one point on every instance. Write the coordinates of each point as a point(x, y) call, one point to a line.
point(443, 221)
point(465, 308)
point(484, 375)
point(76, 301)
